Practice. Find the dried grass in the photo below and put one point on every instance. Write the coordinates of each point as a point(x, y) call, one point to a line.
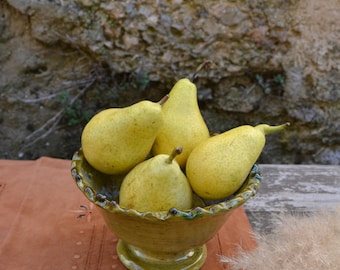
point(297, 243)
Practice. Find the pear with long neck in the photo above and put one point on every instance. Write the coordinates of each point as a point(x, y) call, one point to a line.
point(217, 167)
point(117, 139)
point(156, 184)
point(183, 122)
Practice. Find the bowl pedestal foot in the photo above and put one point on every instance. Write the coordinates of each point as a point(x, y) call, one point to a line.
point(139, 259)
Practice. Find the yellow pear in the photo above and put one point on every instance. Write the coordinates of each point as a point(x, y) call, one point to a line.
point(156, 184)
point(217, 167)
point(117, 139)
point(183, 122)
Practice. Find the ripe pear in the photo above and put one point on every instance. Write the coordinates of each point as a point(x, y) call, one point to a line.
point(117, 139)
point(217, 167)
point(156, 184)
point(183, 122)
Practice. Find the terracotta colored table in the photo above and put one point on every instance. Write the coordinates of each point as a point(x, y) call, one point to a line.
point(47, 223)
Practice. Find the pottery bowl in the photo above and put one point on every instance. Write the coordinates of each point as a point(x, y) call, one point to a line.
point(158, 240)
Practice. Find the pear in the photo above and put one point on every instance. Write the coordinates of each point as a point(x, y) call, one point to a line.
point(183, 122)
point(217, 167)
point(116, 139)
point(156, 184)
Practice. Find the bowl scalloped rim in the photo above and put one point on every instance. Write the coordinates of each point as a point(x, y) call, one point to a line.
point(248, 190)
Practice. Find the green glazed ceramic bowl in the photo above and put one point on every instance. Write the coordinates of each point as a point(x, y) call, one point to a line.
point(158, 240)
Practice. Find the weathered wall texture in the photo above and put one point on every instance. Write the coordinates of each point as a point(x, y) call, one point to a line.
point(275, 61)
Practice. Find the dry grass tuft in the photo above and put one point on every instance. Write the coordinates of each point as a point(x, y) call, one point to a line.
point(297, 243)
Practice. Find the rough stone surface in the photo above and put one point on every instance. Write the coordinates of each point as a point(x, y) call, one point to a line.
point(275, 61)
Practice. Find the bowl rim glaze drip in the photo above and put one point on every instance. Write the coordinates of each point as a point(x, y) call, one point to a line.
point(248, 189)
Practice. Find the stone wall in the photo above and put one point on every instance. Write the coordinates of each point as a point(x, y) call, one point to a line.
point(275, 61)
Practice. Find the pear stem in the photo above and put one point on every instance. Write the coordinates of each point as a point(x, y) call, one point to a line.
point(266, 129)
point(207, 64)
point(174, 153)
point(163, 100)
